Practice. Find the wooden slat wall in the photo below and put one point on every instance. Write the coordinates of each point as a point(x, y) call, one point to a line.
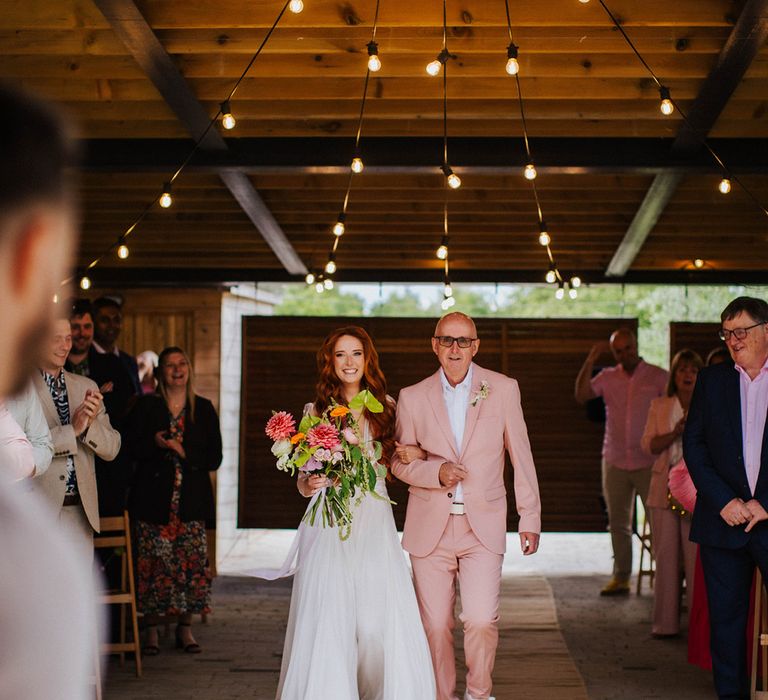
point(279, 373)
point(701, 337)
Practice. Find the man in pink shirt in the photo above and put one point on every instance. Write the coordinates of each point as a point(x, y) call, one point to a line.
point(725, 448)
point(627, 390)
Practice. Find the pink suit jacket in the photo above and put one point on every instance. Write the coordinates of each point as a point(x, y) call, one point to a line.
point(493, 424)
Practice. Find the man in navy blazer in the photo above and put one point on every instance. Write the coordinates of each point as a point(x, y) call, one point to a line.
point(726, 449)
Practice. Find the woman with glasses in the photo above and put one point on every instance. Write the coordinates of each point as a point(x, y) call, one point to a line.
point(354, 630)
point(670, 522)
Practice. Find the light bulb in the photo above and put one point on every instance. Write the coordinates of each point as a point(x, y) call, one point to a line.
point(583, 2)
point(165, 198)
point(448, 291)
point(330, 267)
point(433, 67)
point(310, 278)
point(544, 238)
point(319, 288)
point(454, 181)
point(698, 263)
point(513, 67)
point(374, 64)
point(296, 6)
point(550, 276)
point(560, 293)
point(572, 293)
point(529, 172)
point(328, 283)
point(123, 252)
point(228, 121)
point(575, 282)
point(724, 186)
point(666, 105)
point(357, 165)
point(444, 305)
point(85, 283)
point(442, 252)
point(338, 228)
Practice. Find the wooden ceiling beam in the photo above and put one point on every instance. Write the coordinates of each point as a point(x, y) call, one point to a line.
point(131, 27)
point(743, 45)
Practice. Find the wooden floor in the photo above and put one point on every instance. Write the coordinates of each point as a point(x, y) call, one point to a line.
point(243, 644)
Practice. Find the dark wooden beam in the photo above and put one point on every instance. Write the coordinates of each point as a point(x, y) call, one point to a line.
point(742, 46)
point(329, 155)
point(223, 277)
point(139, 38)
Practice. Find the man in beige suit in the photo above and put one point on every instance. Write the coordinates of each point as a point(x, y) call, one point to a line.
point(80, 429)
point(464, 417)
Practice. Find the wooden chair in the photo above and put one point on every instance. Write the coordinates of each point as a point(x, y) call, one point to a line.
point(760, 641)
point(116, 534)
point(646, 570)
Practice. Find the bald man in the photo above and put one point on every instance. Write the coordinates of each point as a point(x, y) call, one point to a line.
point(627, 389)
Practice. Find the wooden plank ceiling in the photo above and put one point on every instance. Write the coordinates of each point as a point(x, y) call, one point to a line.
point(592, 112)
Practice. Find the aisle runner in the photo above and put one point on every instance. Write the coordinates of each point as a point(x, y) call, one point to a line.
point(244, 638)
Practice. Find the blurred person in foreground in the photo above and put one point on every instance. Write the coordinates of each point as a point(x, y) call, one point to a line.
point(47, 606)
point(724, 448)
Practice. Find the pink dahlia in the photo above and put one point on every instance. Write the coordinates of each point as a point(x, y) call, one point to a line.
point(323, 435)
point(281, 426)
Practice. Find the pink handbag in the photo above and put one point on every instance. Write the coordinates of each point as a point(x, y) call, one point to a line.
point(682, 492)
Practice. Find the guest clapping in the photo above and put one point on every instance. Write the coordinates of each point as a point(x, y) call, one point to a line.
point(177, 442)
point(670, 523)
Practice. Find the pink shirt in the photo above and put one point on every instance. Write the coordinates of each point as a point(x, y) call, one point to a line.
point(627, 400)
point(754, 404)
point(17, 461)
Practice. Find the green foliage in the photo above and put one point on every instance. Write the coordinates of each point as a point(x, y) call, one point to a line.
point(366, 399)
point(303, 300)
point(402, 305)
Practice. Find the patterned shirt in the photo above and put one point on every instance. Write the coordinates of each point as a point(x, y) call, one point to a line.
point(58, 388)
point(82, 368)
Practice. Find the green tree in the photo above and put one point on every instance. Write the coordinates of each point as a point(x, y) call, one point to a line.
point(403, 304)
point(303, 300)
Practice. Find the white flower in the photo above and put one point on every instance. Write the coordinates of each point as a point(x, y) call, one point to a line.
point(481, 394)
point(282, 447)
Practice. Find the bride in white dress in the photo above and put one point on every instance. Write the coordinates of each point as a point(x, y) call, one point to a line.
point(354, 630)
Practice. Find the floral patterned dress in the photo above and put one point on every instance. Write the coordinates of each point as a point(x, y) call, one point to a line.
point(172, 560)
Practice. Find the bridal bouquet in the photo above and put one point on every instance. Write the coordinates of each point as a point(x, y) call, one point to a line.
point(332, 445)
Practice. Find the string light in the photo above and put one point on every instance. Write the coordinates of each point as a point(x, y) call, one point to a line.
point(529, 172)
point(296, 6)
point(328, 283)
point(228, 121)
point(433, 67)
point(454, 181)
point(442, 251)
point(572, 293)
point(85, 283)
point(330, 266)
point(698, 263)
point(551, 275)
point(357, 165)
point(666, 105)
point(165, 198)
point(374, 63)
point(560, 292)
point(319, 288)
point(724, 186)
point(448, 291)
point(575, 282)
point(338, 227)
point(310, 278)
point(123, 252)
point(583, 2)
point(544, 237)
point(447, 303)
point(513, 67)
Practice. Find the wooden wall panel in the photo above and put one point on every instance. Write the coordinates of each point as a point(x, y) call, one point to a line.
point(701, 337)
point(279, 373)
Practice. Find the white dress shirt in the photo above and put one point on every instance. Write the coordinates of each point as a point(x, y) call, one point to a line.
point(456, 403)
point(754, 405)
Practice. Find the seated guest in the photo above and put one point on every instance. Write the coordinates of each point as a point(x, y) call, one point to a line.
point(17, 460)
point(147, 362)
point(27, 411)
point(176, 438)
point(671, 547)
point(80, 430)
point(107, 323)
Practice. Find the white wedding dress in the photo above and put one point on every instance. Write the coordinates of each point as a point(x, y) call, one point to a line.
point(354, 631)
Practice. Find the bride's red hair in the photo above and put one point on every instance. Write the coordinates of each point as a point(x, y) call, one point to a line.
point(329, 386)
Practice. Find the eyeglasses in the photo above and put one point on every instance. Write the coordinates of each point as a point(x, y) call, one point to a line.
point(738, 333)
point(448, 340)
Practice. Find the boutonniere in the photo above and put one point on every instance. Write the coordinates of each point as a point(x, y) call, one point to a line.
point(481, 394)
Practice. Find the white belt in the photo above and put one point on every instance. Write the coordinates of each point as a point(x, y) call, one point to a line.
point(457, 509)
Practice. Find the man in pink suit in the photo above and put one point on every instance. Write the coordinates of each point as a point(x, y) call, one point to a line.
point(464, 417)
